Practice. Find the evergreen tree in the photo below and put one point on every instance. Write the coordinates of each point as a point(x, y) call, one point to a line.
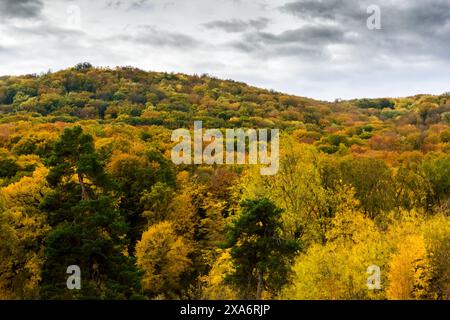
point(260, 254)
point(88, 230)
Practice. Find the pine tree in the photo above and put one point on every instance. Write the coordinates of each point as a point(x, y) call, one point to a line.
point(260, 254)
point(88, 230)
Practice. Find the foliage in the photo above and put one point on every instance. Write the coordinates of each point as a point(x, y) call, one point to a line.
point(86, 179)
point(156, 253)
point(260, 255)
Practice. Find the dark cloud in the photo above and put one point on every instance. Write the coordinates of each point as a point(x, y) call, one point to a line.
point(412, 31)
point(409, 28)
point(152, 36)
point(307, 41)
point(236, 25)
point(311, 34)
point(20, 8)
point(327, 10)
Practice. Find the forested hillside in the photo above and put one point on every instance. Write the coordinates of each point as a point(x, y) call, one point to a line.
point(86, 179)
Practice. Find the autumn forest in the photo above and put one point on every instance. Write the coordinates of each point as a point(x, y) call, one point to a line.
point(359, 208)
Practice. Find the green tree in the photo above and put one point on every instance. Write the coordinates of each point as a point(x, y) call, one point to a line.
point(8, 168)
point(88, 229)
point(261, 256)
point(436, 171)
point(74, 154)
point(373, 182)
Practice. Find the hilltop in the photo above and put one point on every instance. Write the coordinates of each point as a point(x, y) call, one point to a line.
point(139, 98)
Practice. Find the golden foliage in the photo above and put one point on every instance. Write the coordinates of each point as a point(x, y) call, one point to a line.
point(409, 270)
point(163, 257)
point(22, 228)
point(214, 287)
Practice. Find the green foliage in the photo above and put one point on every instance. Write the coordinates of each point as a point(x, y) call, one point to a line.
point(95, 241)
point(437, 175)
point(260, 255)
point(372, 180)
point(90, 232)
point(376, 104)
point(8, 168)
point(74, 154)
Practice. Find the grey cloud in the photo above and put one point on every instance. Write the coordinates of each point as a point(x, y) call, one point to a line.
point(113, 3)
point(131, 4)
point(310, 41)
point(236, 25)
point(46, 30)
point(410, 28)
point(404, 17)
point(314, 34)
point(150, 35)
point(331, 9)
point(21, 8)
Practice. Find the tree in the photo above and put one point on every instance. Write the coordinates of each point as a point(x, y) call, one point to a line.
point(74, 153)
point(437, 237)
point(214, 285)
point(373, 183)
point(297, 189)
point(338, 268)
point(142, 181)
point(436, 172)
point(409, 270)
point(163, 257)
point(95, 240)
point(22, 233)
point(261, 256)
point(88, 229)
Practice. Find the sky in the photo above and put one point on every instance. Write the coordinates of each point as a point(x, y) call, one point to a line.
point(319, 49)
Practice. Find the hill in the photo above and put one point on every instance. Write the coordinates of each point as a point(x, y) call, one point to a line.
point(135, 97)
point(87, 183)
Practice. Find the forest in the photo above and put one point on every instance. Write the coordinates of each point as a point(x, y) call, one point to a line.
point(86, 179)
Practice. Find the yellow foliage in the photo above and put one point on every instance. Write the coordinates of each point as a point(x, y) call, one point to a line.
point(22, 228)
point(413, 255)
point(409, 270)
point(163, 257)
point(214, 286)
point(28, 190)
point(338, 270)
point(437, 238)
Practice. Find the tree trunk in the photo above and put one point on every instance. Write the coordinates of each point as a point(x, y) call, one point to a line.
point(84, 194)
point(259, 287)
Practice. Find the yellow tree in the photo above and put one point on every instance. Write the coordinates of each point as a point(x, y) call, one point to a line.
point(409, 270)
point(297, 189)
point(163, 256)
point(338, 269)
point(214, 286)
point(437, 237)
point(22, 232)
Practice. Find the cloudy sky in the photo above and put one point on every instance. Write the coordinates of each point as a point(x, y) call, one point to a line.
point(320, 49)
